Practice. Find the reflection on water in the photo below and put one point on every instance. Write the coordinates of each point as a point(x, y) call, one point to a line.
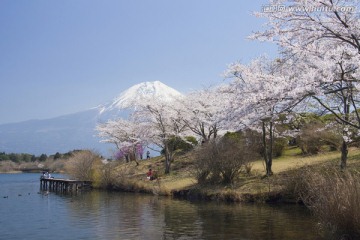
point(136, 216)
point(103, 215)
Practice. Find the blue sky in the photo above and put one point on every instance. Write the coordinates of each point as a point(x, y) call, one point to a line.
point(61, 57)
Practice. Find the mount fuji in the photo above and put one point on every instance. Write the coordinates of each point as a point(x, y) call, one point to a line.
point(77, 130)
point(122, 104)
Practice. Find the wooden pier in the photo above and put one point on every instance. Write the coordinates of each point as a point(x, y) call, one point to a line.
point(63, 185)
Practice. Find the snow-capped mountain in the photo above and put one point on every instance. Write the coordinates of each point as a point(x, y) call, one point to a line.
point(77, 131)
point(122, 104)
point(135, 93)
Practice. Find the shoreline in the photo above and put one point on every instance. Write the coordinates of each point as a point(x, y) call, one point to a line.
point(12, 172)
point(227, 195)
point(252, 187)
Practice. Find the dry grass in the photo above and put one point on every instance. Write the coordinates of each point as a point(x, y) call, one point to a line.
point(332, 194)
point(292, 159)
point(133, 178)
point(334, 197)
point(182, 175)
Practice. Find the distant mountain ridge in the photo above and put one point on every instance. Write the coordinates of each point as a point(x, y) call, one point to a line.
point(77, 130)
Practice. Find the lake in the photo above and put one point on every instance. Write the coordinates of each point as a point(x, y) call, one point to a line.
point(27, 213)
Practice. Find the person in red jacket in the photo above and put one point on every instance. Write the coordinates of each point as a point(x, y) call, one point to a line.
point(149, 174)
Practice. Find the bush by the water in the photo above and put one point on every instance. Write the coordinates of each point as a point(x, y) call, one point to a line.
point(84, 165)
point(87, 165)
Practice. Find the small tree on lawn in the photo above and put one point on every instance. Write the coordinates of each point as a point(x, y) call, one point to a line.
point(128, 137)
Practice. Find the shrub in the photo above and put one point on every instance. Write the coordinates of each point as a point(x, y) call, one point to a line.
point(55, 166)
point(279, 146)
point(108, 176)
point(315, 135)
point(219, 161)
point(84, 165)
point(7, 166)
point(181, 145)
point(254, 139)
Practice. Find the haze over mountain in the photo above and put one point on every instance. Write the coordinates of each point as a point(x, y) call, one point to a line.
point(77, 130)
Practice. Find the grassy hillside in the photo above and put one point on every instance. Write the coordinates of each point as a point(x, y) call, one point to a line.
point(248, 187)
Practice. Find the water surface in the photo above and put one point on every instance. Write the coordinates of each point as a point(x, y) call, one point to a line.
point(27, 213)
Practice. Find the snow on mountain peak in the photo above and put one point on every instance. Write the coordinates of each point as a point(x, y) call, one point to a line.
point(135, 93)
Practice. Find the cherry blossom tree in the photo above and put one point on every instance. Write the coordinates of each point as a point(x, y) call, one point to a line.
point(127, 136)
point(155, 123)
point(258, 95)
point(201, 112)
point(338, 93)
point(163, 123)
point(320, 41)
point(298, 24)
point(130, 153)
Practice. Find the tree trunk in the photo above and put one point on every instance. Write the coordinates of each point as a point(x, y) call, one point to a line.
point(267, 149)
point(215, 131)
point(132, 157)
point(167, 160)
point(270, 151)
point(167, 166)
point(344, 147)
point(344, 153)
